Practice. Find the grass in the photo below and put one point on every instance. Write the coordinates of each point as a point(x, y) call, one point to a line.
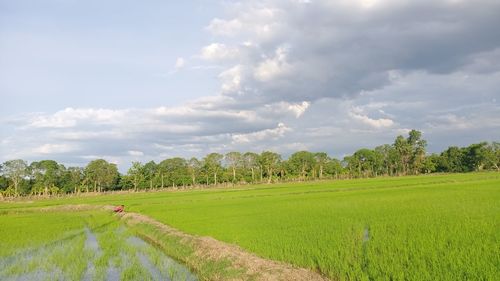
point(438, 227)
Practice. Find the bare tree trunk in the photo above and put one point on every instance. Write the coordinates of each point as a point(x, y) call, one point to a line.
point(162, 182)
point(16, 183)
point(253, 176)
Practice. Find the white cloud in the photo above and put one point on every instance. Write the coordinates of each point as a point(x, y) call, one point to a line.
point(135, 153)
point(224, 27)
point(179, 63)
point(275, 67)
point(69, 117)
point(218, 51)
point(54, 148)
point(268, 134)
point(376, 123)
point(231, 79)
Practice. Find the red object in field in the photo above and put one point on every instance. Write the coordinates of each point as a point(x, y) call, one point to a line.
point(119, 209)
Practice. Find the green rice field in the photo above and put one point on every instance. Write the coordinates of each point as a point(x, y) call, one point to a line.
point(83, 245)
point(436, 227)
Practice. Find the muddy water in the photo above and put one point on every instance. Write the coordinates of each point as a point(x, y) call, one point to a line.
point(91, 242)
point(166, 268)
point(91, 245)
point(366, 235)
point(153, 261)
point(113, 274)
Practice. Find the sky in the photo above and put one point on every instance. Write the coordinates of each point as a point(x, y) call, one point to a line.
point(148, 80)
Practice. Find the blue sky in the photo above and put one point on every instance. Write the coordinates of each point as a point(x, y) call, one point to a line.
point(146, 80)
point(100, 53)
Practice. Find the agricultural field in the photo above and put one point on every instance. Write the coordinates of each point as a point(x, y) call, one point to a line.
point(79, 245)
point(437, 227)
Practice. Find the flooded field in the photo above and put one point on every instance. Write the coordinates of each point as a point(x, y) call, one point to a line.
point(103, 249)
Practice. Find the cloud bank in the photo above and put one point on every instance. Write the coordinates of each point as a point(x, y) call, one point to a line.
point(319, 75)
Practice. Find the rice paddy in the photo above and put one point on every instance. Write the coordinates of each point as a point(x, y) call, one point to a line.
point(84, 245)
point(439, 227)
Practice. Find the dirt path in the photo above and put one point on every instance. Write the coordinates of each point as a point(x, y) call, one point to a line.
point(253, 267)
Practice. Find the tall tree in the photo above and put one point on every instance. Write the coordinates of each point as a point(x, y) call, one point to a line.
point(150, 171)
point(452, 160)
point(76, 178)
point(418, 150)
point(213, 165)
point(476, 156)
point(321, 159)
point(233, 160)
point(47, 174)
point(194, 167)
point(493, 155)
point(102, 174)
point(177, 171)
point(334, 167)
point(404, 153)
point(15, 171)
point(301, 163)
point(251, 162)
point(363, 161)
point(430, 163)
point(269, 161)
point(136, 174)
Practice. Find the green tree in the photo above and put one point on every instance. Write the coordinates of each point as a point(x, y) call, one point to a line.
point(418, 146)
point(194, 168)
point(301, 164)
point(213, 164)
point(269, 162)
point(251, 163)
point(136, 174)
point(101, 174)
point(452, 160)
point(430, 163)
point(47, 174)
point(493, 156)
point(321, 160)
point(476, 156)
point(363, 161)
point(15, 171)
point(76, 178)
point(150, 171)
point(177, 171)
point(234, 161)
point(334, 167)
point(404, 153)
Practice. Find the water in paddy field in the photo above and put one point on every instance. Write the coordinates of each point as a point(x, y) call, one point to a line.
point(165, 268)
point(92, 245)
point(146, 261)
point(366, 235)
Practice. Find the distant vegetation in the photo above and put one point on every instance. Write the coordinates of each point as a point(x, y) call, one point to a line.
point(406, 156)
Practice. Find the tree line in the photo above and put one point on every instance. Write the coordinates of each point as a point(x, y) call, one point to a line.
point(406, 156)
